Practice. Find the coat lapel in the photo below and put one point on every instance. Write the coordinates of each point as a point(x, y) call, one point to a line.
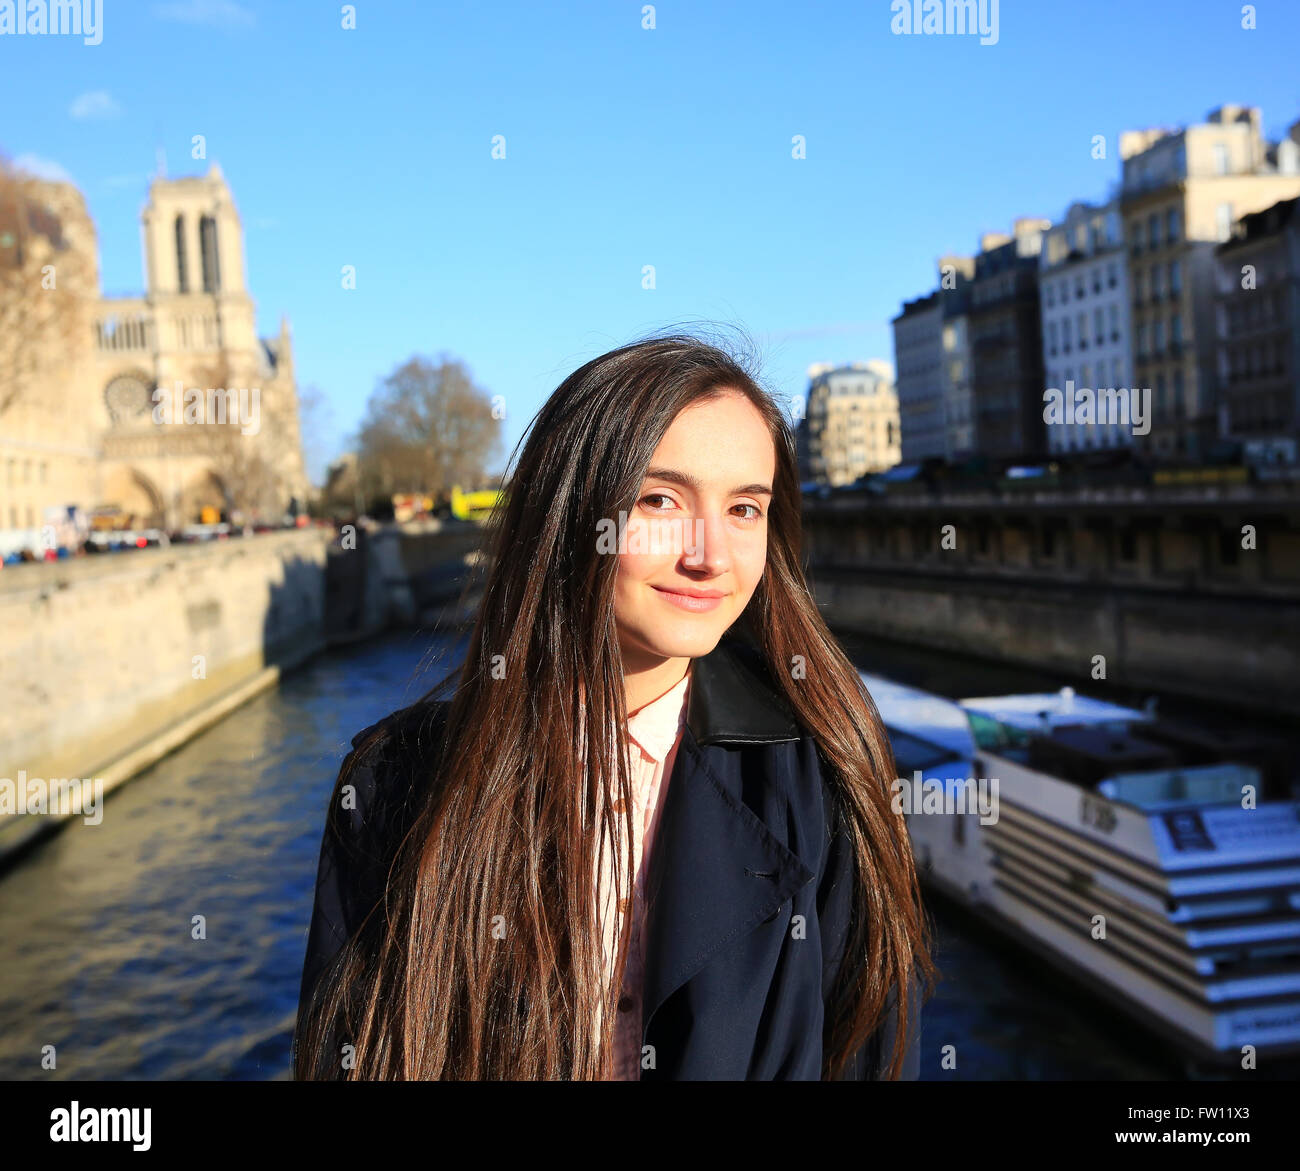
point(716, 870)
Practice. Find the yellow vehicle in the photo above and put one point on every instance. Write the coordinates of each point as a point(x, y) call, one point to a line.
point(209, 515)
point(475, 506)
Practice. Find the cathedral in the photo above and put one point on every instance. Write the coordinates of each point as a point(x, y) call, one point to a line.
point(83, 426)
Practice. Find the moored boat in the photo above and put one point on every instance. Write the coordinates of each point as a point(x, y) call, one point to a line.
point(1157, 862)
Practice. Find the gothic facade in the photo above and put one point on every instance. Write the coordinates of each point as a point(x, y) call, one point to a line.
point(90, 428)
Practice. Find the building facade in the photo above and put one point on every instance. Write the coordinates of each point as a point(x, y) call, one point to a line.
point(1006, 343)
point(918, 359)
point(852, 421)
point(955, 276)
point(1257, 282)
point(86, 429)
point(1083, 291)
point(1181, 193)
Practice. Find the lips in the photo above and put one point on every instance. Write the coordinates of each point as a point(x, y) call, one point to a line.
point(694, 600)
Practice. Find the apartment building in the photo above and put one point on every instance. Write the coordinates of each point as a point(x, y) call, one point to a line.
point(1181, 193)
point(852, 421)
point(1083, 289)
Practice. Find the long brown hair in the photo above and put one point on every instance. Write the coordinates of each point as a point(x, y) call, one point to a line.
point(484, 958)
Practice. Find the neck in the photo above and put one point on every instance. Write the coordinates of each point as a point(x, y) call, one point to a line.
point(644, 682)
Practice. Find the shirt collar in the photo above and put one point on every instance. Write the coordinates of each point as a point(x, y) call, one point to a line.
point(657, 725)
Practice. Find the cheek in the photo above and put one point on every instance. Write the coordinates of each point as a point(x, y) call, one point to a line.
point(651, 550)
point(749, 560)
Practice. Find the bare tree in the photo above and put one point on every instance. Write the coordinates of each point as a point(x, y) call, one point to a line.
point(253, 487)
point(44, 300)
point(426, 428)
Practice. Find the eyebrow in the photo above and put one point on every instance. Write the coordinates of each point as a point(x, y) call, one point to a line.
point(688, 481)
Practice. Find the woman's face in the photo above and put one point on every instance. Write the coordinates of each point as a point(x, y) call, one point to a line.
point(699, 527)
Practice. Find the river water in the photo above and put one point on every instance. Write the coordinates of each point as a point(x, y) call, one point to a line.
point(167, 942)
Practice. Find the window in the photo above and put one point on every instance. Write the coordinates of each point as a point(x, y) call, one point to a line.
point(1142, 340)
point(1176, 329)
point(1162, 407)
point(1051, 295)
point(1173, 225)
point(1065, 334)
point(1178, 392)
point(1175, 277)
point(1079, 290)
point(1099, 325)
point(1083, 331)
point(1139, 286)
point(1051, 337)
point(1153, 229)
point(182, 276)
point(1158, 336)
point(1157, 282)
point(1223, 221)
point(1114, 323)
point(1137, 236)
point(1220, 158)
point(1112, 276)
point(208, 247)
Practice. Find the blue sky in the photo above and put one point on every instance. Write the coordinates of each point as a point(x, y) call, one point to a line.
point(624, 147)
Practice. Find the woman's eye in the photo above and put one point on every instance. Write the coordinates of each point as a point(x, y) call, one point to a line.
point(656, 496)
point(755, 511)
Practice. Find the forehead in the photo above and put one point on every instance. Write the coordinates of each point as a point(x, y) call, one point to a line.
point(718, 438)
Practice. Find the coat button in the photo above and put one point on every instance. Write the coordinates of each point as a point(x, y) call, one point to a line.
point(626, 1004)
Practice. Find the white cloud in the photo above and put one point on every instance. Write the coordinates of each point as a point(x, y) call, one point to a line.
point(42, 168)
point(216, 13)
point(97, 103)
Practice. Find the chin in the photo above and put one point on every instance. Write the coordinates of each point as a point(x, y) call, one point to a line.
point(684, 643)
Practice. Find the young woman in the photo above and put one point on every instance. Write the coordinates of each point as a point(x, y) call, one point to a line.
point(650, 834)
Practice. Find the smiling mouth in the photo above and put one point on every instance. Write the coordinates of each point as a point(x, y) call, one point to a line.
point(697, 602)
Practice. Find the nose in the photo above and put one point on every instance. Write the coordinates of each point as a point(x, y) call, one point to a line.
point(706, 547)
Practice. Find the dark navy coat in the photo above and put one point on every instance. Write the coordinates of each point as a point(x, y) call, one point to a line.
point(748, 838)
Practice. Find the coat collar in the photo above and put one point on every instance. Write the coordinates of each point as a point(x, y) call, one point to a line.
point(717, 870)
point(732, 701)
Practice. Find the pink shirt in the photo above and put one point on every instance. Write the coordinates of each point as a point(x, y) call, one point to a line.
point(654, 733)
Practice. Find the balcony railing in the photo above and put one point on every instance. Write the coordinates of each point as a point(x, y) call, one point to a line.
point(124, 333)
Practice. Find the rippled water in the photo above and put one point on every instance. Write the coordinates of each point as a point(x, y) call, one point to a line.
point(97, 924)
